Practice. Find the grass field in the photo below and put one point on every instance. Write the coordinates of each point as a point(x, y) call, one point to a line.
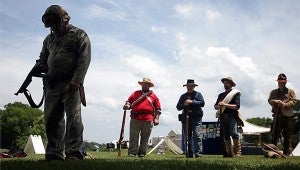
point(109, 160)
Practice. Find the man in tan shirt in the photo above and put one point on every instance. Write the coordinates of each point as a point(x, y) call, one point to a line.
point(282, 101)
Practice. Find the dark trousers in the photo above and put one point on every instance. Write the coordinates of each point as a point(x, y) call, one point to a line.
point(282, 125)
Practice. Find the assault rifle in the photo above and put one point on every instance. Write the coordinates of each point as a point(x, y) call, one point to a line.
point(38, 70)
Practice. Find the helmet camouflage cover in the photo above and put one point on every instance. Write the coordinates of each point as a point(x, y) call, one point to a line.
point(55, 15)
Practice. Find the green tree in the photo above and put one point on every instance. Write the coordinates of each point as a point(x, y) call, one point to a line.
point(265, 122)
point(18, 121)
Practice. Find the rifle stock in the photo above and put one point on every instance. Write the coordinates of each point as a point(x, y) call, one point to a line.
point(121, 135)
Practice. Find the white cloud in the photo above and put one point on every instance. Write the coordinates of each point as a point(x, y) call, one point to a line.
point(183, 9)
point(162, 30)
point(180, 37)
point(100, 12)
point(212, 15)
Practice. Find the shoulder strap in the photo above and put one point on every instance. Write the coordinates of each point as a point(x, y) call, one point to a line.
point(30, 100)
point(151, 103)
point(140, 98)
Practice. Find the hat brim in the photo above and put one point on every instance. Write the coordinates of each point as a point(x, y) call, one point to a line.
point(226, 79)
point(281, 81)
point(190, 84)
point(142, 82)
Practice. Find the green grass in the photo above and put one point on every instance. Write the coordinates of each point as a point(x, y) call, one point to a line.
point(110, 160)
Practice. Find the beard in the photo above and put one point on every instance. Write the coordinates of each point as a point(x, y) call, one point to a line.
point(226, 87)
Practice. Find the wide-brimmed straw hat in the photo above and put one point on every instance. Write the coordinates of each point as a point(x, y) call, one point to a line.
point(282, 78)
point(190, 82)
point(229, 79)
point(146, 80)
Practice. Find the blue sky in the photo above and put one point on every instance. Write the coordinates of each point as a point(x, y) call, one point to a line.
point(168, 41)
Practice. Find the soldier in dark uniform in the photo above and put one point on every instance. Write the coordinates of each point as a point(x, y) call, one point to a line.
point(191, 104)
point(66, 52)
point(282, 101)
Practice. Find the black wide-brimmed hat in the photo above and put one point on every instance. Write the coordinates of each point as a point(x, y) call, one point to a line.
point(190, 82)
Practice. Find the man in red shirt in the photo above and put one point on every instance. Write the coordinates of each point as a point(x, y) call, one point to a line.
point(145, 112)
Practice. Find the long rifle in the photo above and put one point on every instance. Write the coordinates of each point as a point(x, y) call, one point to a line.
point(274, 150)
point(121, 135)
point(187, 121)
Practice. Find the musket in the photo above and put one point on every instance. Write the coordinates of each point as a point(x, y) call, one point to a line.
point(36, 71)
point(274, 150)
point(187, 133)
point(121, 135)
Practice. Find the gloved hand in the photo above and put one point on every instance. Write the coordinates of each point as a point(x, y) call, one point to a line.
point(73, 87)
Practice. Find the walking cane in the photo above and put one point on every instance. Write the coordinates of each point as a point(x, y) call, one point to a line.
point(121, 135)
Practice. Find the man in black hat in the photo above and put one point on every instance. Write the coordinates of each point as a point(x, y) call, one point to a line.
point(67, 53)
point(282, 100)
point(190, 103)
point(228, 104)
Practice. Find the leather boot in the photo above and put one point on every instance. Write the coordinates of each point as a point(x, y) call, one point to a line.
point(229, 147)
point(237, 147)
point(286, 147)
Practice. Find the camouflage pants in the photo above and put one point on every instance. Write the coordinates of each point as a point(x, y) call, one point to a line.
point(137, 128)
point(63, 134)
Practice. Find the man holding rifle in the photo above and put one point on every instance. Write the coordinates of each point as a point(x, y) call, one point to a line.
point(282, 100)
point(67, 53)
point(228, 104)
point(191, 118)
point(145, 112)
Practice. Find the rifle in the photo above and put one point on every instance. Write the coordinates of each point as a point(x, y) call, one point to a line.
point(121, 135)
point(187, 133)
point(37, 71)
point(274, 150)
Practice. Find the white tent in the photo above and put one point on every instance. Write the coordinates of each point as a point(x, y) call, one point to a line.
point(34, 145)
point(174, 148)
point(172, 141)
point(296, 151)
point(251, 129)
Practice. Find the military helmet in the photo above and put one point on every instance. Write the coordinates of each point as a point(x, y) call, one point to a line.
point(55, 15)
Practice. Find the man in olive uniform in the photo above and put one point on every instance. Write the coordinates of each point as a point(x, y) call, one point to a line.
point(67, 53)
point(282, 101)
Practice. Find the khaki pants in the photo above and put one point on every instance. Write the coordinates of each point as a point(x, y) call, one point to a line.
point(63, 135)
point(139, 128)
